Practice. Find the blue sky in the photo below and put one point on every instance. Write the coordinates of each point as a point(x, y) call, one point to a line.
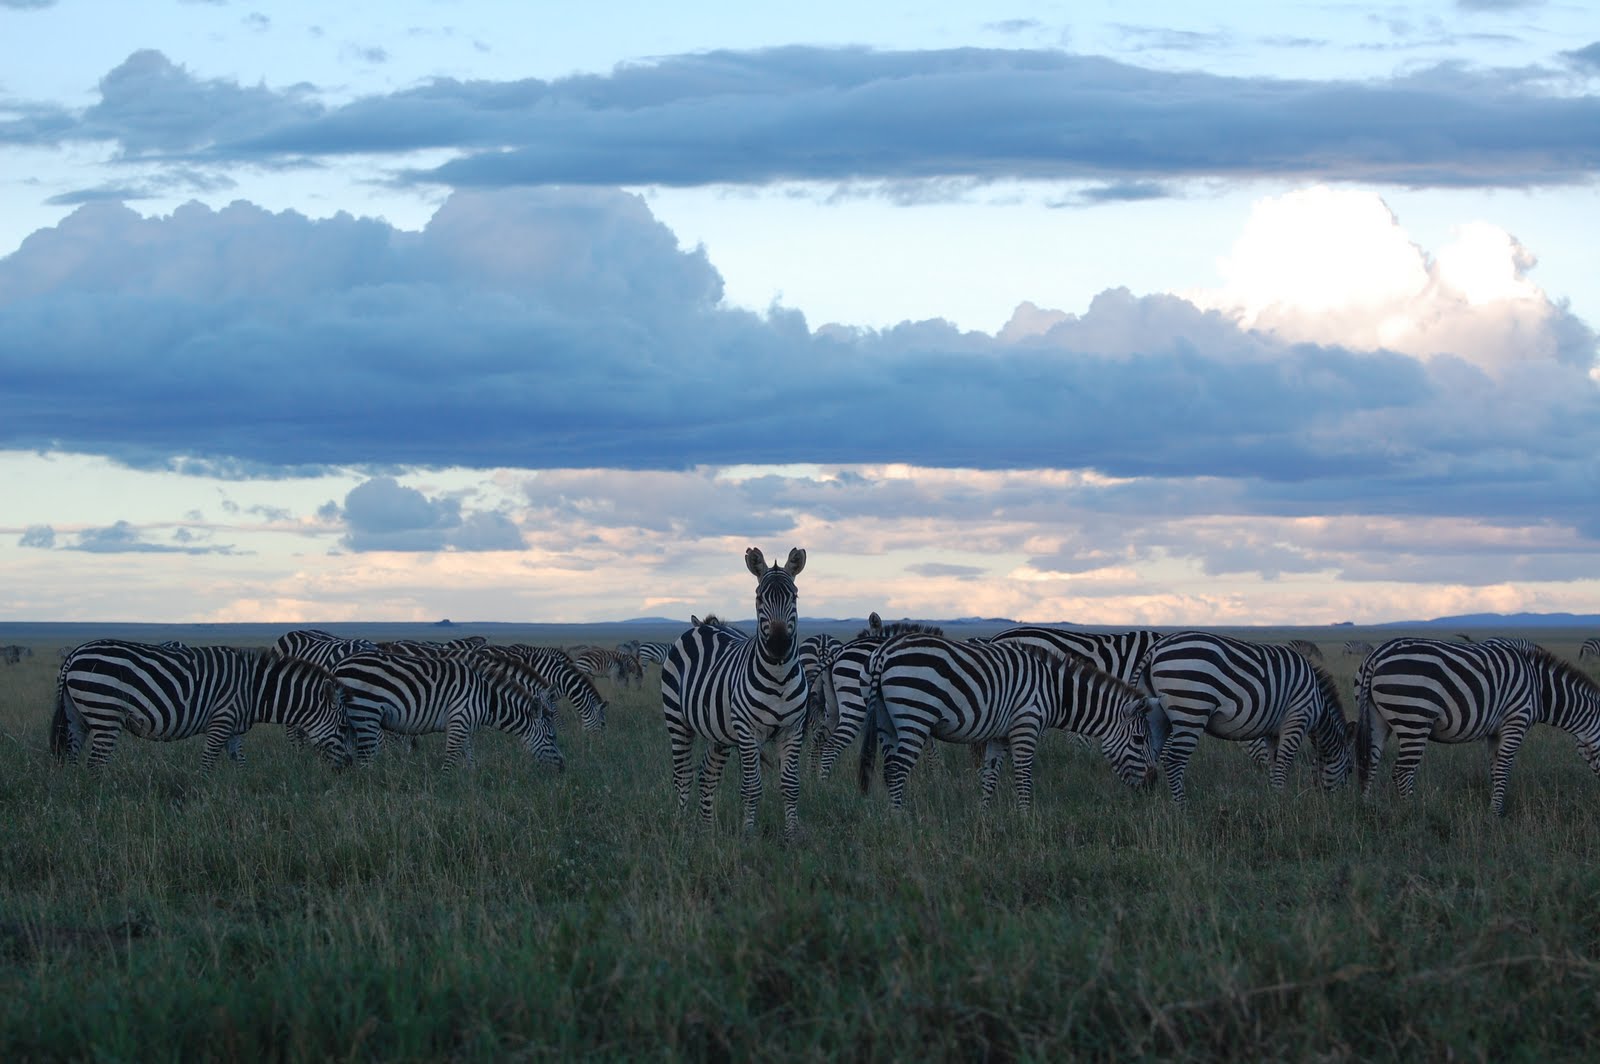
point(1120, 314)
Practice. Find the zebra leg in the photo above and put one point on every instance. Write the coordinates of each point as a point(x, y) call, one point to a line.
point(682, 742)
point(750, 777)
point(236, 748)
point(716, 756)
point(1505, 744)
point(1175, 754)
point(102, 741)
point(1023, 741)
point(1290, 734)
point(1262, 751)
point(789, 779)
point(992, 753)
point(898, 761)
point(457, 745)
point(839, 740)
point(1409, 748)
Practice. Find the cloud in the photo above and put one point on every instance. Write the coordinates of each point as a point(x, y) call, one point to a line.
point(842, 115)
point(384, 515)
point(564, 329)
point(123, 538)
point(38, 536)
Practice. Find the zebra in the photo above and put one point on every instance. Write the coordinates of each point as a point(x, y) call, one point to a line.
point(1357, 648)
point(319, 647)
point(817, 653)
point(1308, 648)
point(418, 694)
point(1590, 648)
point(13, 654)
point(617, 666)
point(653, 652)
point(1238, 690)
point(1000, 695)
point(1448, 692)
point(739, 692)
point(1260, 749)
point(549, 667)
point(170, 693)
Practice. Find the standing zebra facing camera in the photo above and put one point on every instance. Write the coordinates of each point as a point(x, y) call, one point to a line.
point(737, 692)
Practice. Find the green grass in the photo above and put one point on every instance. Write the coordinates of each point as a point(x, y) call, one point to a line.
point(282, 910)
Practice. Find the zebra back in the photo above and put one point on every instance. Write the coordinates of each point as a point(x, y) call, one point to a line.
point(320, 647)
point(1590, 648)
point(1116, 653)
point(550, 667)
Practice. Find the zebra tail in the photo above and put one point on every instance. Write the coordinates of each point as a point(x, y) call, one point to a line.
point(877, 718)
point(1363, 734)
point(60, 728)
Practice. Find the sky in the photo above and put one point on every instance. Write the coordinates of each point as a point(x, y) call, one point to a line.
point(1115, 314)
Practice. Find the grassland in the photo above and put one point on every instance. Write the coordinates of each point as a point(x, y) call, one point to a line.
point(281, 910)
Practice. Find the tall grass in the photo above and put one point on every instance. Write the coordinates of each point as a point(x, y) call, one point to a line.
point(279, 909)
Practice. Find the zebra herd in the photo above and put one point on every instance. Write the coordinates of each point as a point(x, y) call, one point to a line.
point(1147, 697)
point(339, 695)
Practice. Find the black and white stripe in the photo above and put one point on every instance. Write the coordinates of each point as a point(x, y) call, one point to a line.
point(550, 667)
point(999, 695)
point(1431, 690)
point(1242, 691)
point(817, 653)
point(738, 692)
point(320, 647)
point(1116, 653)
point(653, 652)
point(1357, 648)
point(619, 667)
point(417, 694)
point(1590, 648)
point(174, 692)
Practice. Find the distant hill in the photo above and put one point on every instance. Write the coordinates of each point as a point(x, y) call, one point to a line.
point(1504, 620)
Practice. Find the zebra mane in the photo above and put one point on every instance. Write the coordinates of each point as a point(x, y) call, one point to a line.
point(1564, 669)
point(1072, 664)
point(1329, 689)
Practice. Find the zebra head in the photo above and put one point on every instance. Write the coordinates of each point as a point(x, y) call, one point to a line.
point(1126, 743)
point(534, 723)
point(1332, 736)
point(777, 604)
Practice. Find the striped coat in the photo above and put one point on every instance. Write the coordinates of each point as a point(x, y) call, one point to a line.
point(737, 693)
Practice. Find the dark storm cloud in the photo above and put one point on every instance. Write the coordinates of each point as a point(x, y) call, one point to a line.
point(565, 329)
point(841, 115)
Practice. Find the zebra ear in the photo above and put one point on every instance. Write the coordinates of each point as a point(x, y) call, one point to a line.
point(796, 562)
point(755, 561)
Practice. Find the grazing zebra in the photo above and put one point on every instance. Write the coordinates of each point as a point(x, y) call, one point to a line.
point(738, 692)
point(817, 653)
point(1000, 695)
point(1357, 648)
point(653, 652)
point(1419, 690)
point(845, 689)
point(613, 664)
point(1240, 691)
point(171, 693)
point(319, 647)
point(1308, 648)
point(1590, 648)
point(419, 694)
point(464, 645)
point(549, 667)
point(13, 654)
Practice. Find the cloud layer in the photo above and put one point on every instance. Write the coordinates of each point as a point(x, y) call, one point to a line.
point(550, 329)
point(854, 114)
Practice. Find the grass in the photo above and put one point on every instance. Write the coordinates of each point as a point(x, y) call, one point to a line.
point(280, 910)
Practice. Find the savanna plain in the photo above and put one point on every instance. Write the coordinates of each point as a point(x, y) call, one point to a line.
point(280, 909)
